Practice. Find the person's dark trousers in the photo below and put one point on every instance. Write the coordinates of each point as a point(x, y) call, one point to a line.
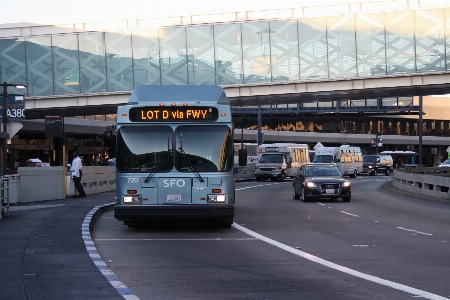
point(79, 186)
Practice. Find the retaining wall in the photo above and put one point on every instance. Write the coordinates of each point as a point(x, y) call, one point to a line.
point(40, 184)
point(434, 182)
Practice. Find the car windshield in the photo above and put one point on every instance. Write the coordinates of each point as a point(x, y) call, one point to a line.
point(369, 159)
point(446, 162)
point(323, 171)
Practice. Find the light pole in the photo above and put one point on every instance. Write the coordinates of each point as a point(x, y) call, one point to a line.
point(4, 120)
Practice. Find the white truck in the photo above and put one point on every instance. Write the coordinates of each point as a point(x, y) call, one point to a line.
point(347, 158)
point(280, 160)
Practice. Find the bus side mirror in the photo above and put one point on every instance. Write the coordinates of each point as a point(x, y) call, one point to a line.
point(242, 157)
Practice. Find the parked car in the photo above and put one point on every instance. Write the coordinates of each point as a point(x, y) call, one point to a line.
point(32, 162)
point(445, 163)
point(108, 162)
point(374, 164)
point(320, 181)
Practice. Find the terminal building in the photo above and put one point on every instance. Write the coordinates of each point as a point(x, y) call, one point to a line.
point(334, 74)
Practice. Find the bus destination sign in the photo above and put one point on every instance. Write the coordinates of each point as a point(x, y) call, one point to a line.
point(173, 114)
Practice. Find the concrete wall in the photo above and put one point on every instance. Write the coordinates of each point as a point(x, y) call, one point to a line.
point(434, 182)
point(40, 184)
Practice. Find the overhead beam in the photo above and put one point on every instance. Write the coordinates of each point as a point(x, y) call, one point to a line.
point(404, 85)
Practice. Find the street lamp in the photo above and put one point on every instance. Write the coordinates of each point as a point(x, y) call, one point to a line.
point(4, 121)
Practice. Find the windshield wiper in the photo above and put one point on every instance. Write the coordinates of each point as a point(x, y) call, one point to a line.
point(151, 174)
point(191, 165)
point(156, 166)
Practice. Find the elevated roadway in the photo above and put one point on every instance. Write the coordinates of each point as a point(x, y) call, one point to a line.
point(260, 93)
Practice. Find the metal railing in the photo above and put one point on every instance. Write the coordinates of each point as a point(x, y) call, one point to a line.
point(4, 197)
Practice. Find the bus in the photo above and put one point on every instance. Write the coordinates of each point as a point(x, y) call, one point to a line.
point(403, 159)
point(247, 171)
point(175, 156)
point(347, 158)
point(280, 160)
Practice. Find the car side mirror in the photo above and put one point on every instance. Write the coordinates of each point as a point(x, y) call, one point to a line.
point(242, 157)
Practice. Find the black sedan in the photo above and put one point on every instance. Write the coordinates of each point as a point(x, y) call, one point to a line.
point(320, 181)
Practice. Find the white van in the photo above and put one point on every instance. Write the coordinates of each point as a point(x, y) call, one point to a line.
point(278, 161)
point(347, 158)
point(248, 170)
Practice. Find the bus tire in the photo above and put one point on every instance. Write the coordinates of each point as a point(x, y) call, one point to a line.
point(132, 224)
point(225, 223)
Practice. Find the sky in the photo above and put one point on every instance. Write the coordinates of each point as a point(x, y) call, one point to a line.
point(69, 11)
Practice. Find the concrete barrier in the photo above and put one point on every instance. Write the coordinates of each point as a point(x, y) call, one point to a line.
point(434, 182)
point(40, 184)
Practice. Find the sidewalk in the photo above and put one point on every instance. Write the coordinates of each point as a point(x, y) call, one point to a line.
point(43, 255)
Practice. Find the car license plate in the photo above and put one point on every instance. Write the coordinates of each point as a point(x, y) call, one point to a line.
point(174, 198)
point(329, 191)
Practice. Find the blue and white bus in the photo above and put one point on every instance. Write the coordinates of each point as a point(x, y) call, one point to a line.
point(175, 155)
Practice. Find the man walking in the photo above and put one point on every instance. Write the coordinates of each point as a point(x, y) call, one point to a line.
point(76, 175)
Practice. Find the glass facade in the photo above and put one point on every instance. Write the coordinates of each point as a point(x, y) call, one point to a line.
point(348, 46)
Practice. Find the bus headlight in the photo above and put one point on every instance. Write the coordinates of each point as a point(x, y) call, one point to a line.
point(217, 198)
point(132, 199)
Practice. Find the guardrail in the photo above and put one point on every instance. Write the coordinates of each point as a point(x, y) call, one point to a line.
point(434, 182)
point(4, 197)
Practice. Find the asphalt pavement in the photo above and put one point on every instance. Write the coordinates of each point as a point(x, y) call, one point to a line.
point(45, 251)
point(44, 254)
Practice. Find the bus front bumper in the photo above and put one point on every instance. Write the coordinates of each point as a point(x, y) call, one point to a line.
point(155, 212)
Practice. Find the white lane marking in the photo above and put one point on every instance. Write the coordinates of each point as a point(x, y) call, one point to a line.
point(255, 186)
point(211, 239)
point(412, 230)
point(28, 207)
point(343, 269)
point(320, 203)
point(344, 212)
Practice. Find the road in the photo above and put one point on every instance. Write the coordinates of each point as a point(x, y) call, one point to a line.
point(382, 245)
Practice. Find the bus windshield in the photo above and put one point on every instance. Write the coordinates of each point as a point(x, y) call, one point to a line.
point(150, 149)
point(271, 158)
point(323, 159)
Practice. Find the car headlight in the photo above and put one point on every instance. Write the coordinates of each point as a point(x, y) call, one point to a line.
point(217, 198)
point(370, 167)
point(311, 184)
point(132, 199)
point(346, 184)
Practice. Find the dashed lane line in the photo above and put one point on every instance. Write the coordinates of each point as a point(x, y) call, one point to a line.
point(391, 284)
